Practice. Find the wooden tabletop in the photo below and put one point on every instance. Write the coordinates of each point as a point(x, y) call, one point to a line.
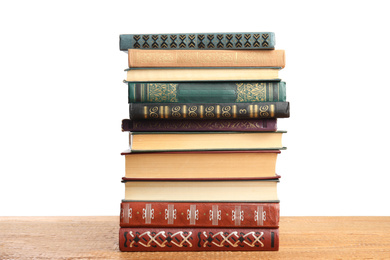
point(97, 238)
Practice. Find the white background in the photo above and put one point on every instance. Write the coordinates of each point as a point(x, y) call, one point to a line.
point(62, 99)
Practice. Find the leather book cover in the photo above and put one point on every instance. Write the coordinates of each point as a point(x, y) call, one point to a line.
point(190, 111)
point(220, 40)
point(205, 58)
point(198, 239)
point(199, 214)
point(207, 92)
point(207, 125)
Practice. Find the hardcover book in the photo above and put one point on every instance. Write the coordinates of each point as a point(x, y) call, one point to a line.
point(221, 125)
point(201, 74)
point(203, 141)
point(229, 40)
point(208, 214)
point(192, 111)
point(206, 58)
point(201, 164)
point(201, 190)
point(198, 239)
point(207, 92)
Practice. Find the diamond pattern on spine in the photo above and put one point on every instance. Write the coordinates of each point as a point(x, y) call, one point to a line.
point(182, 43)
point(238, 43)
point(192, 43)
point(229, 44)
point(173, 43)
point(265, 37)
point(247, 43)
point(201, 44)
point(256, 43)
point(155, 44)
point(164, 45)
point(210, 37)
point(220, 45)
point(136, 44)
point(145, 38)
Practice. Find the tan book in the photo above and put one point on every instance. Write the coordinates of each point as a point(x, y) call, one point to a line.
point(220, 74)
point(205, 58)
point(201, 164)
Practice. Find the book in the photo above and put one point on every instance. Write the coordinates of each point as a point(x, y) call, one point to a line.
point(201, 74)
point(207, 92)
point(205, 58)
point(198, 239)
point(221, 125)
point(229, 40)
point(203, 141)
point(201, 164)
point(192, 111)
point(208, 214)
point(201, 189)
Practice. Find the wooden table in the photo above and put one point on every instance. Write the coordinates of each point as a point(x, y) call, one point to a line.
point(97, 238)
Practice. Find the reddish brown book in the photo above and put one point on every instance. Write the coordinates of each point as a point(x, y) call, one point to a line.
point(198, 239)
point(199, 214)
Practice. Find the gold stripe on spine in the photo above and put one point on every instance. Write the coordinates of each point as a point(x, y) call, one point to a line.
point(234, 111)
point(201, 111)
point(162, 111)
point(166, 111)
point(256, 108)
point(145, 111)
point(184, 111)
point(218, 111)
point(272, 109)
point(271, 91)
point(251, 111)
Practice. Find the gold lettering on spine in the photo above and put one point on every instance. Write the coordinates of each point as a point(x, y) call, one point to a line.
point(166, 111)
point(251, 111)
point(145, 112)
point(201, 111)
point(218, 111)
point(272, 109)
point(161, 111)
point(255, 110)
point(184, 111)
point(234, 111)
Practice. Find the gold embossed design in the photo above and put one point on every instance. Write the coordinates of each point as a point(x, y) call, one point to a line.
point(176, 111)
point(209, 111)
point(192, 111)
point(251, 92)
point(264, 111)
point(226, 111)
point(153, 112)
point(162, 92)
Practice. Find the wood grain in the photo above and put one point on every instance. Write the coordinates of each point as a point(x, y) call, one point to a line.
point(97, 238)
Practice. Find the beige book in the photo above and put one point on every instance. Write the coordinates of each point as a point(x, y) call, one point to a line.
point(172, 75)
point(206, 58)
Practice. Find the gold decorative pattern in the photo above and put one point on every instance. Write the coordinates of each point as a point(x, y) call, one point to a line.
point(162, 92)
point(251, 92)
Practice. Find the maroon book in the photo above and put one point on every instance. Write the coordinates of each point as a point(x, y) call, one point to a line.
point(198, 239)
point(199, 214)
point(221, 125)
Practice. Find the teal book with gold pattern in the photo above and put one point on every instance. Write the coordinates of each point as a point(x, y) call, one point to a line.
point(222, 41)
point(207, 92)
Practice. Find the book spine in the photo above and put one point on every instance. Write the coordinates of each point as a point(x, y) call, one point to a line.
point(198, 239)
point(190, 111)
point(222, 125)
point(205, 58)
point(207, 92)
point(179, 214)
point(222, 41)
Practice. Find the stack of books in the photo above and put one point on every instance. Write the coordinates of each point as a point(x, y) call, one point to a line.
point(203, 142)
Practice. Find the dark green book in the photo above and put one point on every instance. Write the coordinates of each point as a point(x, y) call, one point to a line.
point(217, 111)
point(207, 92)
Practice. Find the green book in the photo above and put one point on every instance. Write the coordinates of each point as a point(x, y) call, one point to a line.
point(208, 92)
